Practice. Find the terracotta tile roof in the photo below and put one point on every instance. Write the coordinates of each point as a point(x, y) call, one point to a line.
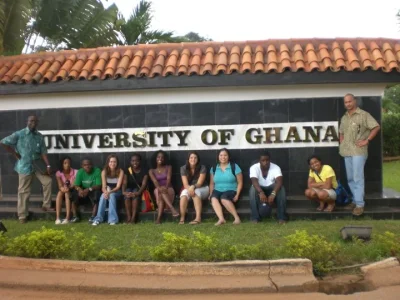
point(186, 59)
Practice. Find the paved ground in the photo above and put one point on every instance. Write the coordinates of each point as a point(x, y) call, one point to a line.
point(387, 293)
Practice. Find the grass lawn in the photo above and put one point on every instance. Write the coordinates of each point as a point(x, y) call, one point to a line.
point(391, 175)
point(147, 234)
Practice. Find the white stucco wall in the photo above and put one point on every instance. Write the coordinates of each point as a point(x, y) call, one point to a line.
point(193, 95)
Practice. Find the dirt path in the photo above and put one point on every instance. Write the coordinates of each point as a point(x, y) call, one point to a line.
point(388, 293)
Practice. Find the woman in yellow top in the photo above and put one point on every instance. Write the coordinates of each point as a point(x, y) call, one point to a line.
point(321, 184)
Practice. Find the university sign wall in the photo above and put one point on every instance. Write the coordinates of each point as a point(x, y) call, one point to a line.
point(247, 136)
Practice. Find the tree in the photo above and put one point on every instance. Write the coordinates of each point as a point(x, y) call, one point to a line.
point(72, 24)
point(14, 17)
point(136, 30)
point(391, 99)
point(194, 37)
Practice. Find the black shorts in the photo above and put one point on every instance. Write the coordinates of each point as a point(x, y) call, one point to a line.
point(227, 195)
point(93, 197)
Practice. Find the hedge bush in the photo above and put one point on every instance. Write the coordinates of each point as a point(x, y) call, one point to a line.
point(391, 134)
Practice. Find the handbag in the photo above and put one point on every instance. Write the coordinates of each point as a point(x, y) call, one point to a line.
point(147, 203)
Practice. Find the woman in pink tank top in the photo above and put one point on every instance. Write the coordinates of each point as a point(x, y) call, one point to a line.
point(65, 180)
point(161, 177)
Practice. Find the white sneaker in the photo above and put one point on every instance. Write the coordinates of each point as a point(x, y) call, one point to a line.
point(65, 221)
point(112, 223)
point(95, 223)
point(58, 222)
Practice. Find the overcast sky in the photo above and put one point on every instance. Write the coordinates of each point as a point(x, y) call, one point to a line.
point(230, 20)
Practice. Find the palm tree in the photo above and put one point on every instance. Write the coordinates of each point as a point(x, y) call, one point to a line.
point(136, 30)
point(73, 24)
point(14, 17)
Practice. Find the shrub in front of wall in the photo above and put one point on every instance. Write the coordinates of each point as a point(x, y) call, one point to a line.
point(390, 132)
point(3, 243)
point(387, 244)
point(47, 243)
point(314, 247)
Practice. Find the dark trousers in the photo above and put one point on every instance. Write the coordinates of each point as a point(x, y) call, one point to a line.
point(257, 208)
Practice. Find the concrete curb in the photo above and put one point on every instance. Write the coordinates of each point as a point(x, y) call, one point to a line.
point(239, 268)
point(286, 275)
point(383, 264)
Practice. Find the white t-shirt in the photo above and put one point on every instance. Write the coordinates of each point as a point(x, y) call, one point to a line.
point(273, 173)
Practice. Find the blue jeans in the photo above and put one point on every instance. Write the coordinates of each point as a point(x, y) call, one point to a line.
point(355, 177)
point(112, 208)
point(258, 210)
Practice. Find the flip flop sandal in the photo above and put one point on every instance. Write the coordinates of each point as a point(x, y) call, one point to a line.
point(194, 222)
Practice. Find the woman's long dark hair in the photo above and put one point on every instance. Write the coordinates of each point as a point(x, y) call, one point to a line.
point(61, 163)
point(154, 159)
point(107, 168)
point(196, 169)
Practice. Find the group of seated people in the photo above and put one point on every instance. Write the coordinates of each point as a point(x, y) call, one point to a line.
point(107, 186)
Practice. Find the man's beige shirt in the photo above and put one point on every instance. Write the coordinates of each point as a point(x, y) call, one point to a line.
point(356, 127)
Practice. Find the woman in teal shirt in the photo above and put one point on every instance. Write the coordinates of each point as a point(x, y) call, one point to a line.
point(226, 183)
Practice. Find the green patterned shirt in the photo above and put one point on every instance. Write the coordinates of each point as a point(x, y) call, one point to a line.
point(30, 145)
point(356, 127)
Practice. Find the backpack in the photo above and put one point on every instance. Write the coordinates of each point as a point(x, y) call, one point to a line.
point(342, 196)
point(233, 168)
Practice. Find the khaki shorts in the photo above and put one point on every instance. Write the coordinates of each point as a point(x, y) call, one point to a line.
point(202, 192)
point(331, 192)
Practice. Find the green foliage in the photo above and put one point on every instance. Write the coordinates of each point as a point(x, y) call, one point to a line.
point(392, 93)
point(388, 244)
point(82, 248)
point(3, 242)
point(47, 243)
point(390, 131)
point(109, 254)
point(314, 247)
point(14, 17)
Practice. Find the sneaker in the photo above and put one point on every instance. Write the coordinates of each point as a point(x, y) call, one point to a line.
point(358, 211)
point(58, 222)
point(91, 219)
point(95, 223)
point(65, 221)
point(74, 220)
point(112, 223)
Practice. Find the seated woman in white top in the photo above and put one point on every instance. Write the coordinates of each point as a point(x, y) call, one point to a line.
point(112, 178)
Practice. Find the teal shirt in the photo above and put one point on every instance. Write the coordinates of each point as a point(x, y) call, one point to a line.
point(30, 145)
point(225, 180)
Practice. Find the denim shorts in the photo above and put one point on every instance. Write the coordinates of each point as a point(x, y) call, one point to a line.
point(130, 190)
point(227, 195)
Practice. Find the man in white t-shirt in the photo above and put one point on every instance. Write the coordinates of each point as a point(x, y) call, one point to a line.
point(267, 187)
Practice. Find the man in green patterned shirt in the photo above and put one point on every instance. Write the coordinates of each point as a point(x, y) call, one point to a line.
point(357, 129)
point(28, 147)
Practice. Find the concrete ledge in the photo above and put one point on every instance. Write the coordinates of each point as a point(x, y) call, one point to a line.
point(238, 268)
point(286, 275)
point(383, 264)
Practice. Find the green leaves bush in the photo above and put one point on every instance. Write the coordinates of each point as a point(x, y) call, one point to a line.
point(314, 247)
point(391, 136)
point(197, 246)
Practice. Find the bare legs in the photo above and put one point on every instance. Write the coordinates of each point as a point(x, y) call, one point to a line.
point(322, 197)
point(230, 207)
point(165, 199)
point(197, 206)
point(131, 206)
point(59, 200)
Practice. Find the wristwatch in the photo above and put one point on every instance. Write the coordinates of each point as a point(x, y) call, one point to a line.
point(90, 189)
point(48, 166)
